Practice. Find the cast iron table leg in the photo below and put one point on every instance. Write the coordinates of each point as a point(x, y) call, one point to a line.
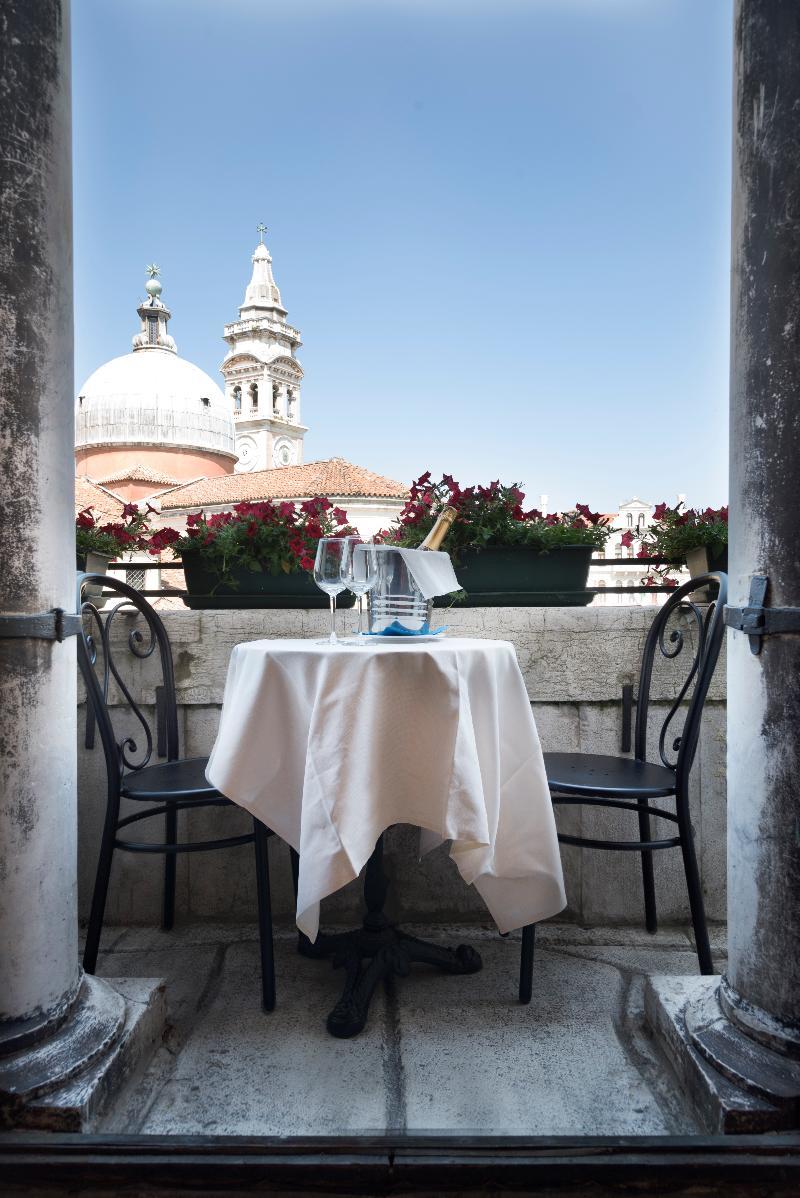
point(375, 951)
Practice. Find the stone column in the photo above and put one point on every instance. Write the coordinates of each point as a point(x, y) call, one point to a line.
point(38, 926)
point(736, 1041)
point(762, 989)
point(55, 1024)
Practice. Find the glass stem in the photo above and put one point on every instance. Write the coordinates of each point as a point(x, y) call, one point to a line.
point(332, 638)
point(360, 615)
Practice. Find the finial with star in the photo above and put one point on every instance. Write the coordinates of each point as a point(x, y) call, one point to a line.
point(261, 229)
point(153, 270)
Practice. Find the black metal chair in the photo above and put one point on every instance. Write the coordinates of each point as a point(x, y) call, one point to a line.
point(632, 784)
point(176, 784)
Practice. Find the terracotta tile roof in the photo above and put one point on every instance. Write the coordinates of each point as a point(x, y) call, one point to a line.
point(334, 477)
point(102, 502)
point(140, 474)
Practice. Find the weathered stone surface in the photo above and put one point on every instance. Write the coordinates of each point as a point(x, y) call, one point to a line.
point(719, 1105)
point(440, 1053)
point(245, 1072)
point(79, 1098)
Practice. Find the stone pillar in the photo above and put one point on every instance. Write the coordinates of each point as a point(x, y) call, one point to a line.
point(736, 1040)
point(762, 989)
point(38, 926)
point(55, 1024)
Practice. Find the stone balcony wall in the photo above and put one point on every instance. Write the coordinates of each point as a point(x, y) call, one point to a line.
point(575, 662)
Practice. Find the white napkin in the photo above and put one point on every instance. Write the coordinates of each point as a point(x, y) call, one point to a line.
point(431, 570)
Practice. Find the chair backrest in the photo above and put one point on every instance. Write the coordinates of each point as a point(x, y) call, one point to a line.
point(686, 621)
point(100, 657)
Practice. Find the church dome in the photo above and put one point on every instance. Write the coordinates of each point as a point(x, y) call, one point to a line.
point(152, 400)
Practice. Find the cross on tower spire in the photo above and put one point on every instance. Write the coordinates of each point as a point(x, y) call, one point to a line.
point(261, 229)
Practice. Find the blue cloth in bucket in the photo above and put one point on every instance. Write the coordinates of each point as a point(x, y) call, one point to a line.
point(398, 629)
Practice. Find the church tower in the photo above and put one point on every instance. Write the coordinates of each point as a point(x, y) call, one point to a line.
point(262, 375)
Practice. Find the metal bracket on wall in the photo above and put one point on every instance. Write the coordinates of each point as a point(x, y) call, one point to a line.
point(759, 621)
point(55, 625)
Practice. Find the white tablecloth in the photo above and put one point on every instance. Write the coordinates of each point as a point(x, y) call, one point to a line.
point(330, 746)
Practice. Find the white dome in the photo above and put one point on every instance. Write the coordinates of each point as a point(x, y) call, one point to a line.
point(153, 397)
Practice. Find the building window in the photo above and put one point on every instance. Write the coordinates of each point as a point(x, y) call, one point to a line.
point(617, 551)
point(630, 551)
point(152, 330)
point(290, 403)
point(640, 521)
point(237, 399)
point(275, 395)
point(205, 401)
point(630, 519)
point(254, 397)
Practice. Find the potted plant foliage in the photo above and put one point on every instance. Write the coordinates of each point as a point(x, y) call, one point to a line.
point(698, 538)
point(258, 555)
point(503, 554)
point(98, 544)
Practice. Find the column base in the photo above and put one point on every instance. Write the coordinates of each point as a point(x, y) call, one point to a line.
point(64, 1082)
point(734, 1085)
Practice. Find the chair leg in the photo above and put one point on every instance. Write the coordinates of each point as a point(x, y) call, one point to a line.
point(695, 889)
point(261, 840)
point(100, 893)
point(526, 964)
point(648, 880)
point(170, 865)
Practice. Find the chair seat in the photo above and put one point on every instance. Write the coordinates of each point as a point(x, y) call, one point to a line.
point(595, 774)
point(171, 779)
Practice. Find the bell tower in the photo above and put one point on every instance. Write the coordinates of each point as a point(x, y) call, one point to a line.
point(262, 374)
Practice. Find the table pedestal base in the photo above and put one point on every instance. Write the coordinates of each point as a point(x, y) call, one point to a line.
point(375, 952)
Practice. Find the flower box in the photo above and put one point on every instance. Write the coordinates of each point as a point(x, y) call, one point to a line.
point(253, 588)
point(520, 576)
point(703, 560)
point(93, 563)
point(503, 555)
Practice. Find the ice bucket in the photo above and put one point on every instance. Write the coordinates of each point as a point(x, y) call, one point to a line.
point(396, 602)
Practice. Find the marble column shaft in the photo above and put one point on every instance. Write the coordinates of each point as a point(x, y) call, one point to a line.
point(764, 690)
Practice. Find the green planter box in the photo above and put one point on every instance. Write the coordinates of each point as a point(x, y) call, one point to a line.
point(516, 576)
point(255, 589)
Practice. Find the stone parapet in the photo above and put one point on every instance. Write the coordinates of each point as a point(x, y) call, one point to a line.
point(575, 662)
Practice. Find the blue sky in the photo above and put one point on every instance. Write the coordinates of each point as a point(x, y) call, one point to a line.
point(502, 226)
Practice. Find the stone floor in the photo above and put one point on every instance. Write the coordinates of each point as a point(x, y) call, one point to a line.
point(439, 1053)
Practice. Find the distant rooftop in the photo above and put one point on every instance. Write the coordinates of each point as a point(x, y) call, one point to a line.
point(334, 477)
point(101, 501)
point(140, 473)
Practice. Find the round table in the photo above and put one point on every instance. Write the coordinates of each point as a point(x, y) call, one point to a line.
point(330, 745)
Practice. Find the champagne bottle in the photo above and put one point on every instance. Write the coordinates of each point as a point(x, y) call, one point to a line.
point(440, 529)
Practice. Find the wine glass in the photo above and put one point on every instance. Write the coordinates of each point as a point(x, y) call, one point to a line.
point(359, 573)
point(328, 574)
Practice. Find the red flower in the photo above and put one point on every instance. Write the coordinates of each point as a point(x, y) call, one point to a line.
point(627, 538)
point(85, 519)
point(193, 520)
point(339, 515)
point(423, 479)
point(659, 510)
point(307, 563)
point(130, 509)
point(643, 552)
point(161, 539)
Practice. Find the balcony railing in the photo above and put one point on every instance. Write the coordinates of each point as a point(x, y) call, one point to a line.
point(614, 563)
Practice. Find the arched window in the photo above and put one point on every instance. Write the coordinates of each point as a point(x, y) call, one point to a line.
point(237, 399)
point(290, 403)
point(152, 330)
point(275, 396)
point(254, 397)
point(640, 521)
point(630, 519)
